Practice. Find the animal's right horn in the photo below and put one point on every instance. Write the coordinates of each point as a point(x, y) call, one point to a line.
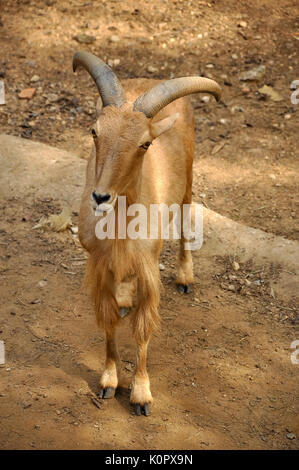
point(153, 100)
point(108, 85)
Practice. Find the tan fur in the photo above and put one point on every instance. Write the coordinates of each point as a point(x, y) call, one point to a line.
point(119, 271)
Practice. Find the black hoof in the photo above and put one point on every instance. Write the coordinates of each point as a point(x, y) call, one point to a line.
point(183, 288)
point(142, 409)
point(108, 392)
point(123, 311)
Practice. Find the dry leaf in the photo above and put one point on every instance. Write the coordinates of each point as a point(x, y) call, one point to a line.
point(57, 222)
point(218, 147)
point(269, 91)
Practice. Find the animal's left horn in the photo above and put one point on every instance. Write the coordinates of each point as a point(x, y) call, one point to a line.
point(107, 82)
point(151, 102)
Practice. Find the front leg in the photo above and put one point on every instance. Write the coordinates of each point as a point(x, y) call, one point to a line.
point(141, 395)
point(109, 379)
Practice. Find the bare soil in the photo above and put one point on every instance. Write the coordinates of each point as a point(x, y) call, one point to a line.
point(220, 369)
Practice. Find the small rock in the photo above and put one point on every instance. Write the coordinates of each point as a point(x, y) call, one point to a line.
point(247, 282)
point(231, 287)
point(246, 90)
point(35, 78)
point(152, 69)
point(205, 99)
point(258, 282)
point(113, 62)
point(253, 74)
point(26, 405)
point(231, 277)
point(272, 176)
point(290, 436)
point(234, 56)
point(161, 267)
point(242, 24)
point(84, 38)
point(31, 63)
point(114, 38)
point(27, 93)
point(2, 92)
point(287, 116)
point(74, 229)
point(42, 283)
point(236, 266)
point(52, 97)
point(210, 66)
point(223, 121)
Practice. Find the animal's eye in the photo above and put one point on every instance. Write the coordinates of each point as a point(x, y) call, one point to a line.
point(94, 133)
point(145, 146)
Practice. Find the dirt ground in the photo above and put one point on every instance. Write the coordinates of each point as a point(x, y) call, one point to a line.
point(220, 369)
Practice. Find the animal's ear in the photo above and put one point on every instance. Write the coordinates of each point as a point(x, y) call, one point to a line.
point(164, 125)
point(99, 107)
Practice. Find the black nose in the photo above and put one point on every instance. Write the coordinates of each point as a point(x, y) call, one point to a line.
point(99, 198)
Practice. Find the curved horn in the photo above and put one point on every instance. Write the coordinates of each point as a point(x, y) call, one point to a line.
point(151, 102)
point(107, 82)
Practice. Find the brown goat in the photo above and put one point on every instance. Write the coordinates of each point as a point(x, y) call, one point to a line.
point(144, 146)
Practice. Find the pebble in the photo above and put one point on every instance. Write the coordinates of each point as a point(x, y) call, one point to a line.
point(74, 229)
point(113, 62)
point(84, 38)
point(231, 287)
point(287, 116)
point(161, 267)
point(27, 93)
point(152, 69)
point(223, 121)
point(246, 90)
point(242, 24)
point(2, 92)
point(253, 74)
point(290, 436)
point(52, 97)
point(35, 78)
point(236, 266)
point(114, 38)
point(205, 99)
